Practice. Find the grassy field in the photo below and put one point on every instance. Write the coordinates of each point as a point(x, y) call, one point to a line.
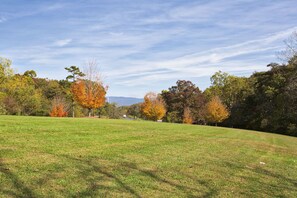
point(64, 157)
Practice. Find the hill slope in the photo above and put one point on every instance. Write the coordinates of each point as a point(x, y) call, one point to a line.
point(52, 157)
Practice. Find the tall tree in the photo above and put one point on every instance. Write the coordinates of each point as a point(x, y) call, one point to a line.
point(187, 119)
point(230, 89)
point(182, 96)
point(30, 73)
point(75, 73)
point(21, 96)
point(134, 110)
point(153, 107)
point(5, 69)
point(216, 111)
point(89, 91)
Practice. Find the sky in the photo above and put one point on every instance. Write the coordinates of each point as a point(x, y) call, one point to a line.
point(145, 45)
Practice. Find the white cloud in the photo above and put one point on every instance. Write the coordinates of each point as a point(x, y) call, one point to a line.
point(62, 43)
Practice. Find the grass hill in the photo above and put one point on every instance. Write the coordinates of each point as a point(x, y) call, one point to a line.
point(65, 157)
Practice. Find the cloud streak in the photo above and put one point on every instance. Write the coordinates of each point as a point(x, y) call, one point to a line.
point(144, 45)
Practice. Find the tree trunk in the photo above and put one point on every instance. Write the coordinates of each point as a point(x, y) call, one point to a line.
point(90, 112)
point(73, 109)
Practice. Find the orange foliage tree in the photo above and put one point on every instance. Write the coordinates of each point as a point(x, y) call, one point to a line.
point(216, 111)
point(89, 94)
point(153, 107)
point(89, 91)
point(187, 118)
point(59, 108)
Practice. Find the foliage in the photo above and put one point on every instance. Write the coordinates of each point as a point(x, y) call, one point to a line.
point(5, 69)
point(112, 111)
point(22, 97)
point(88, 94)
point(59, 108)
point(134, 110)
point(75, 73)
point(153, 107)
point(187, 119)
point(230, 89)
point(272, 107)
point(30, 73)
point(216, 111)
point(182, 96)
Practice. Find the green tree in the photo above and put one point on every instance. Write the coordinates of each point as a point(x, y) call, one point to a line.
point(30, 73)
point(230, 89)
point(75, 73)
point(22, 97)
point(182, 96)
point(5, 69)
point(134, 110)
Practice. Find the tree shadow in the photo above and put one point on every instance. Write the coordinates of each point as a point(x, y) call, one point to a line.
point(258, 172)
point(89, 170)
point(20, 189)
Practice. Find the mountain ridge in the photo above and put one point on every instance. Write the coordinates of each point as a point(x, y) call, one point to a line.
point(123, 101)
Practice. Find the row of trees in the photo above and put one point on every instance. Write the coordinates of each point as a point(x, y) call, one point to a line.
point(183, 103)
point(264, 101)
point(25, 94)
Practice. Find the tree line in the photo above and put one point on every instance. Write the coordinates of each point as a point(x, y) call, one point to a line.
point(265, 101)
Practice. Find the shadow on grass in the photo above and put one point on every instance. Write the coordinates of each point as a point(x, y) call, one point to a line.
point(88, 170)
point(20, 189)
point(101, 179)
point(272, 180)
point(94, 174)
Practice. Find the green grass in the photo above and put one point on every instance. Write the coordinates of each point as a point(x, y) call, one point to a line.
point(64, 157)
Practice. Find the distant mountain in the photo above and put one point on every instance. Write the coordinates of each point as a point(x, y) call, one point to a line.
point(123, 101)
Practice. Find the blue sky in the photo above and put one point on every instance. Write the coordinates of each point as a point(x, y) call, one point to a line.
point(145, 46)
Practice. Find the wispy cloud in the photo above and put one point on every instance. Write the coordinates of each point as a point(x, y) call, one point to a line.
point(62, 43)
point(142, 43)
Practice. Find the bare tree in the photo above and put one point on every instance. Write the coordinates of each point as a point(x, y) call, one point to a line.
point(92, 71)
point(291, 48)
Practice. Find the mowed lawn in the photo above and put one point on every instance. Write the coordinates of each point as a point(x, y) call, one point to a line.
point(65, 157)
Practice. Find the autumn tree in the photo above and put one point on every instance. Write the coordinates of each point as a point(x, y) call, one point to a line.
point(187, 118)
point(153, 107)
point(89, 91)
point(59, 108)
point(216, 111)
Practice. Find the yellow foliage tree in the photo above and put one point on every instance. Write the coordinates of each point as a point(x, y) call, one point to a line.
point(216, 111)
point(187, 119)
point(153, 107)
